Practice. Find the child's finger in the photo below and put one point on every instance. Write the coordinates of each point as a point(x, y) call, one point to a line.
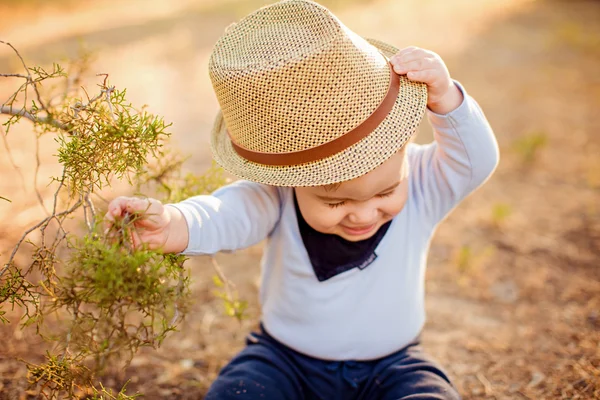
point(136, 205)
point(120, 206)
point(405, 51)
point(404, 67)
point(424, 75)
point(398, 57)
point(117, 207)
point(413, 55)
point(414, 65)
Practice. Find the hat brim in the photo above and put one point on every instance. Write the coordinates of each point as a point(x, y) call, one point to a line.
point(364, 156)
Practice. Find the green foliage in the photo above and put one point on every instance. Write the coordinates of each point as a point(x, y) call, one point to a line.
point(38, 110)
point(122, 297)
point(193, 184)
point(578, 37)
point(58, 374)
point(469, 260)
point(464, 259)
point(107, 137)
point(530, 146)
point(16, 290)
point(500, 212)
point(166, 175)
point(234, 307)
point(104, 394)
point(109, 297)
point(64, 374)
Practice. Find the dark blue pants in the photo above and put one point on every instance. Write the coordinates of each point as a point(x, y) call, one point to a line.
point(266, 369)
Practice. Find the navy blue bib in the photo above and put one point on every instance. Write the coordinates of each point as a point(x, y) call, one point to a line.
point(331, 255)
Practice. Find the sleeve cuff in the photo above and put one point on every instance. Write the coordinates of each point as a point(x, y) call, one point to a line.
point(460, 112)
point(189, 218)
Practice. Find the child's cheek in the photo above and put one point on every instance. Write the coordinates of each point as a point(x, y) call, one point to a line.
point(328, 219)
point(395, 205)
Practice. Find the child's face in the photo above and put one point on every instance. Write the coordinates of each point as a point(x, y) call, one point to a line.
point(357, 208)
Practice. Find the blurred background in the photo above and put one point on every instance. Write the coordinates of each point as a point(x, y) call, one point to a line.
point(513, 290)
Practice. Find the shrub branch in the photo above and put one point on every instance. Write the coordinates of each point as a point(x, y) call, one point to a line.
point(110, 297)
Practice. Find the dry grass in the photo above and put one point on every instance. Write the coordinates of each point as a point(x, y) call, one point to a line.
point(513, 296)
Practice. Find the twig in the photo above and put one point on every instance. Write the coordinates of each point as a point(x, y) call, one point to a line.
point(14, 76)
point(85, 216)
point(45, 221)
point(18, 55)
point(35, 175)
point(28, 77)
point(9, 110)
point(62, 182)
point(179, 292)
point(81, 107)
point(55, 203)
point(91, 205)
point(487, 386)
point(108, 91)
point(226, 282)
point(11, 159)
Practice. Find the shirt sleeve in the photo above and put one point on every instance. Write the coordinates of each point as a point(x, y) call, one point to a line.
point(461, 158)
point(235, 216)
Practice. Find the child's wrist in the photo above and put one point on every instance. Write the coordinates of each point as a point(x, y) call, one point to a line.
point(177, 231)
point(448, 102)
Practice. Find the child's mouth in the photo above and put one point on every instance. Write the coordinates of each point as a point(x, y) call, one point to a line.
point(360, 230)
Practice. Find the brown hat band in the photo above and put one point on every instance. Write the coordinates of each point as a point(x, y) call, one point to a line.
point(332, 147)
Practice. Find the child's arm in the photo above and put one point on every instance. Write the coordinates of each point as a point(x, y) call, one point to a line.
point(233, 217)
point(236, 216)
point(465, 151)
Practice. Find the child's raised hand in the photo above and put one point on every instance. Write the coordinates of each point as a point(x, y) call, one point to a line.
point(425, 66)
point(154, 225)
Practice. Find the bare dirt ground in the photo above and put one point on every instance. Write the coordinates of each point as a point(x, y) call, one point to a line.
point(513, 283)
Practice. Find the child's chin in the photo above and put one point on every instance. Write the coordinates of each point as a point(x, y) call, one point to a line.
point(358, 238)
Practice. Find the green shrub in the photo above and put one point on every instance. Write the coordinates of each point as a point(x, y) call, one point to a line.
point(109, 297)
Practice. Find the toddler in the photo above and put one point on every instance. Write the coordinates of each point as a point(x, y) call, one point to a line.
point(317, 122)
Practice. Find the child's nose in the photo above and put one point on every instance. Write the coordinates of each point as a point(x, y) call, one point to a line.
point(363, 216)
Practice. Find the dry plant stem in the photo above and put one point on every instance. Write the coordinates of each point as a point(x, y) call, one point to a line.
point(160, 177)
point(11, 159)
point(106, 91)
point(176, 315)
point(42, 223)
point(9, 110)
point(35, 176)
point(108, 334)
point(23, 112)
point(13, 76)
point(487, 386)
point(29, 79)
point(88, 208)
point(226, 282)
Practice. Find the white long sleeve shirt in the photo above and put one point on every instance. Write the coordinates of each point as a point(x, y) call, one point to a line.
point(360, 314)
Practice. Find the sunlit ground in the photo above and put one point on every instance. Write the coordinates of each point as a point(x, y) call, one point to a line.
point(513, 280)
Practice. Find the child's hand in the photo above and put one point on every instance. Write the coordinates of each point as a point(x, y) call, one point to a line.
point(154, 225)
point(426, 66)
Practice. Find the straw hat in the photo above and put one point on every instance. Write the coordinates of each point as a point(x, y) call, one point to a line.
point(305, 101)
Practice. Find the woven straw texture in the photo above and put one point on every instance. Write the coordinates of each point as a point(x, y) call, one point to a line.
point(290, 77)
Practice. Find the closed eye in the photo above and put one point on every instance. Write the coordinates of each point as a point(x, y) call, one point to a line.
point(341, 203)
point(386, 194)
